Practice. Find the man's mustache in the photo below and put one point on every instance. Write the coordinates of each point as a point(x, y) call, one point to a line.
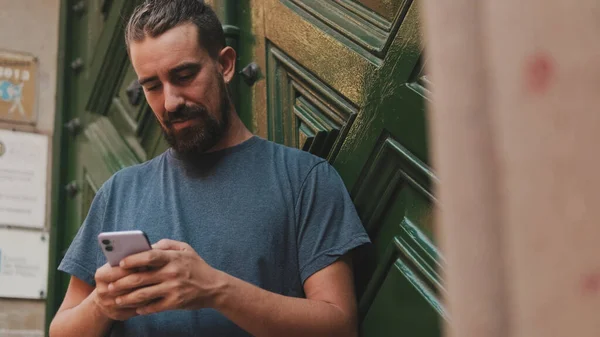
point(185, 113)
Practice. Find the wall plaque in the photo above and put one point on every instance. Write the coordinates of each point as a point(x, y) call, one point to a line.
point(23, 179)
point(23, 263)
point(18, 84)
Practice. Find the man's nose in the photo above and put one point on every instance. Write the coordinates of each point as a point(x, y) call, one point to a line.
point(173, 98)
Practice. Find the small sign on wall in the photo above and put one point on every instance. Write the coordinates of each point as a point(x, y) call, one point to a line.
point(23, 263)
point(18, 83)
point(23, 179)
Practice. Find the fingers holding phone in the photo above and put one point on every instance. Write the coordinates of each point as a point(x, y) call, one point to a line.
point(184, 281)
point(116, 246)
point(104, 299)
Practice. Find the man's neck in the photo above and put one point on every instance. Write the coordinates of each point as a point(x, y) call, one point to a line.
point(236, 134)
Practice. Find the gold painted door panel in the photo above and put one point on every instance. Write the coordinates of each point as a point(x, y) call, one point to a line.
point(344, 80)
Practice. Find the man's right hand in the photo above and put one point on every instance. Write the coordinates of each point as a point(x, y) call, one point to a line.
point(104, 299)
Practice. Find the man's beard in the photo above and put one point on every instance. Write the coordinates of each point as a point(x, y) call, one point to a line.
point(205, 132)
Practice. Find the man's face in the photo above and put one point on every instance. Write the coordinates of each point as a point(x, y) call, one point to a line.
point(184, 87)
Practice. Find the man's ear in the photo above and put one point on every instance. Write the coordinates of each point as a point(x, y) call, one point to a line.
point(227, 58)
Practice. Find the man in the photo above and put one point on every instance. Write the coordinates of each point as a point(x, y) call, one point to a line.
point(254, 237)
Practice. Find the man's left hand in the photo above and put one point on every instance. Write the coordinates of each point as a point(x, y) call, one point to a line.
point(178, 278)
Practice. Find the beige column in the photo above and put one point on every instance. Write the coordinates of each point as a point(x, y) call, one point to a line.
point(515, 129)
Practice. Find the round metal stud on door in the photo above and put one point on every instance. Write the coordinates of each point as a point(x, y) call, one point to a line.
point(72, 189)
point(73, 126)
point(77, 65)
point(134, 93)
point(251, 73)
point(79, 8)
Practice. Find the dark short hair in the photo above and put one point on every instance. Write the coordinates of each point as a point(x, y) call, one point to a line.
point(154, 17)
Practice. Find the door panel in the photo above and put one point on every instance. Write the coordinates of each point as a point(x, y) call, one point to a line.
point(131, 96)
point(396, 101)
point(110, 60)
point(403, 305)
point(304, 112)
point(114, 125)
point(386, 9)
point(362, 29)
point(132, 116)
point(352, 70)
point(317, 51)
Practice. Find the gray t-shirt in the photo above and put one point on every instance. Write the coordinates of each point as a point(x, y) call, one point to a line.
point(262, 212)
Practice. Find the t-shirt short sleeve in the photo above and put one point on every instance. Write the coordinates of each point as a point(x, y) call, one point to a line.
point(81, 257)
point(327, 223)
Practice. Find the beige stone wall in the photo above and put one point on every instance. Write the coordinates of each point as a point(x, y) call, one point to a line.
point(31, 26)
point(21, 318)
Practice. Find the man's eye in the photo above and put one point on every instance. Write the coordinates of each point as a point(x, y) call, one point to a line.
point(186, 77)
point(152, 88)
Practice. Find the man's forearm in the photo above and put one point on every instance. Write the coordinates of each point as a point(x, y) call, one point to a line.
point(83, 320)
point(263, 313)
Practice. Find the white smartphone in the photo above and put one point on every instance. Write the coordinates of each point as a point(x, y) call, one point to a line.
point(118, 245)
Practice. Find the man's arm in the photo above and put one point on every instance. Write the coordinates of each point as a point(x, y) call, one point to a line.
point(89, 311)
point(328, 310)
point(78, 314)
point(180, 279)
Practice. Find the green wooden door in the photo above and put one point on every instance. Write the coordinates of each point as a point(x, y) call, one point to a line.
point(345, 81)
point(107, 124)
point(342, 79)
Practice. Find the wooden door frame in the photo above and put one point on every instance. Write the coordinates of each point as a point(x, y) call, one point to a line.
point(60, 158)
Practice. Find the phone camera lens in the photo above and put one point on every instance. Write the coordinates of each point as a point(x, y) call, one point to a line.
point(109, 248)
point(106, 242)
